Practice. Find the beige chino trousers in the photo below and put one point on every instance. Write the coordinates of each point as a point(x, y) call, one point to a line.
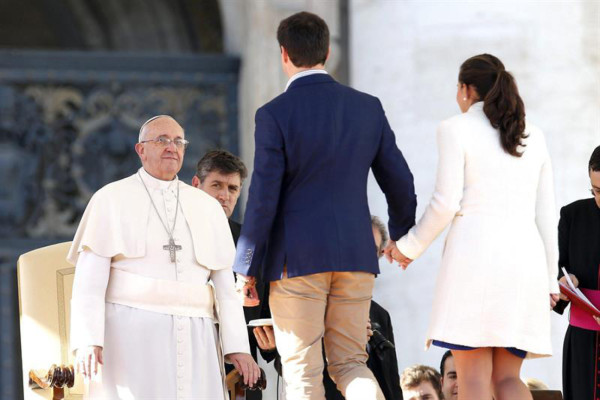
point(333, 306)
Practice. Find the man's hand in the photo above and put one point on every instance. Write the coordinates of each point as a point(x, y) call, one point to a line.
point(87, 360)
point(391, 252)
point(246, 366)
point(265, 337)
point(564, 281)
point(246, 286)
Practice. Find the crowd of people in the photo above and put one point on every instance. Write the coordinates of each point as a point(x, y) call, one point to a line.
point(155, 301)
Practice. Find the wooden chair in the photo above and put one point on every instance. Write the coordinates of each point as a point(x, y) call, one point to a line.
point(234, 386)
point(45, 282)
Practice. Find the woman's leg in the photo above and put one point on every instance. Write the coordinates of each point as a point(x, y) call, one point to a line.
point(474, 373)
point(506, 376)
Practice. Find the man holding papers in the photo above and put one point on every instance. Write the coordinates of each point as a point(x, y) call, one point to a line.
point(579, 247)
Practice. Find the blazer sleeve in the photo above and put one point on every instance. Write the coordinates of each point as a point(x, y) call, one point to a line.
point(396, 181)
point(448, 193)
point(545, 219)
point(263, 196)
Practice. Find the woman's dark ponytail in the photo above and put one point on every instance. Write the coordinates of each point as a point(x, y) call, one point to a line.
point(501, 101)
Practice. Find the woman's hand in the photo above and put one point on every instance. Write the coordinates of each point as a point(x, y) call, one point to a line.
point(553, 300)
point(391, 252)
point(564, 281)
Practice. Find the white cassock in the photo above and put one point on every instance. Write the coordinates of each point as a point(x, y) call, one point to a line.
point(155, 318)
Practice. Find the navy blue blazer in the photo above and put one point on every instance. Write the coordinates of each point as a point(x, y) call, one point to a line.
point(307, 205)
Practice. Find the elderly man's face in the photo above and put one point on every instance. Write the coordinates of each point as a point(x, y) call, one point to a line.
point(160, 161)
point(423, 391)
point(449, 380)
point(226, 188)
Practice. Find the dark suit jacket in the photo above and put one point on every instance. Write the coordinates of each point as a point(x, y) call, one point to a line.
point(307, 206)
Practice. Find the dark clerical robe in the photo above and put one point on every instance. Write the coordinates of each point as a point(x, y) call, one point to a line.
point(579, 247)
point(250, 313)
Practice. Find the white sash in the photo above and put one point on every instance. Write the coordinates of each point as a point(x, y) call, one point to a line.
point(160, 295)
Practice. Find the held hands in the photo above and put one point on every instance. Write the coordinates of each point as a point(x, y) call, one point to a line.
point(87, 360)
point(265, 337)
point(246, 366)
point(392, 253)
point(246, 286)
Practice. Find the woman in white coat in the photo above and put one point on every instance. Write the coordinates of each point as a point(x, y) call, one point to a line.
point(498, 275)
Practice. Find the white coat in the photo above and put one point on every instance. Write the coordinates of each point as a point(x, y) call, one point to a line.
point(499, 263)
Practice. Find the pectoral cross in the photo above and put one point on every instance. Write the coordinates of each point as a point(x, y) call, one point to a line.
point(172, 247)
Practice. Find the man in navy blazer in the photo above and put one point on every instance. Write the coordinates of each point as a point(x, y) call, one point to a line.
point(307, 226)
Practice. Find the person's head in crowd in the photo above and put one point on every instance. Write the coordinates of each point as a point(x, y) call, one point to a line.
point(380, 234)
point(303, 41)
point(535, 384)
point(221, 174)
point(420, 382)
point(594, 171)
point(161, 146)
point(449, 378)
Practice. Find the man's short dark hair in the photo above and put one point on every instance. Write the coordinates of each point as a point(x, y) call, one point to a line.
point(305, 37)
point(443, 362)
point(221, 161)
point(594, 164)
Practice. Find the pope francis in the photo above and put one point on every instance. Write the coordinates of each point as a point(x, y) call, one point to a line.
point(153, 278)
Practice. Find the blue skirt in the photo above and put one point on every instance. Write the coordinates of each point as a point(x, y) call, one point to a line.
point(451, 346)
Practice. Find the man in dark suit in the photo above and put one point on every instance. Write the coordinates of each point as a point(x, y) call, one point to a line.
point(221, 174)
point(307, 220)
